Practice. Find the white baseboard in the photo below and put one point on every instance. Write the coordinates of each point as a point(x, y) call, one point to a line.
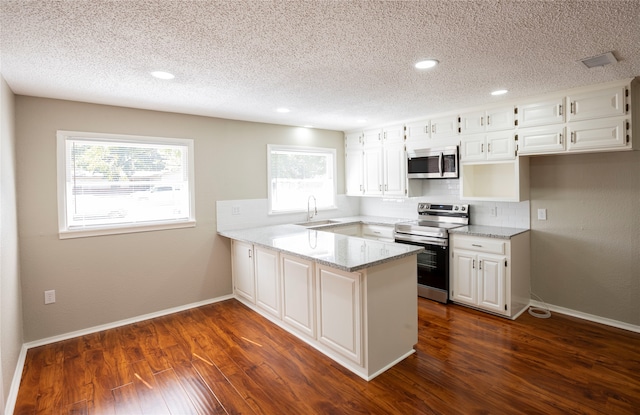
point(15, 384)
point(586, 316)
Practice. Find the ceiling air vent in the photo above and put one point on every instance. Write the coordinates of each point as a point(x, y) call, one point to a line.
point(600, 60)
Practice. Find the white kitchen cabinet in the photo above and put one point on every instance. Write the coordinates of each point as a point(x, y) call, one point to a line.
point(495, 119)
point(267, 275)
point(491, 146)
point(500, 181)
point(353, 140)
point(339, 311)
point(354, 171)
point(543, 112)
point(541, 140)
point(417, 131)
point(491, 274)
point(384, 162)
point(242, 269)
point(444, 127)
point(599, 103)
point(600, 134)
point(298, 294)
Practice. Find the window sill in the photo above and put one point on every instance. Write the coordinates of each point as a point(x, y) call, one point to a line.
point(121, 229)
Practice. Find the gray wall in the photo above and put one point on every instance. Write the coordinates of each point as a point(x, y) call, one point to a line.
point(10, 295)
point(586, 256)
point(105, 279)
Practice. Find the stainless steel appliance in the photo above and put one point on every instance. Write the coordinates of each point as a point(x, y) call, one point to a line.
point(431, 232)
point(433, 163)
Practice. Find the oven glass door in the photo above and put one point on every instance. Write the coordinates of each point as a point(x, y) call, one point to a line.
point(433, 265)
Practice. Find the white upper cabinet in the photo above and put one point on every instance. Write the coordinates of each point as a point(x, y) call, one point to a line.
point(601, 103)
point(354, 171)
point(602, 134)
point(444, 127)
point(541, 140)
point(353, 140)
point(417, 131)
point(487, 120)
point(492, 146)
point(550, 111)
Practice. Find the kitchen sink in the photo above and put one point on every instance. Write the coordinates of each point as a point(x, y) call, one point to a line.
point(314, 223)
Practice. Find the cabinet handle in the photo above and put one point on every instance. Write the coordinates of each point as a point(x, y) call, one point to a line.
point(560, 109)
point(480, 264)
point(489, 148)
point(380, 187)
point(488, 119)
point(482, 148)
point(473, 265)
point(433, 129)
point(573, 108)
point(386, 187)
point(560, 138)
point(482, 121)
point(573, 137)
point(426, 129)
point(250, 254)
point(478, 245)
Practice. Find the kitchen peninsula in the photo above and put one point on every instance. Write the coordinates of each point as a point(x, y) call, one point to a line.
point(353, 299)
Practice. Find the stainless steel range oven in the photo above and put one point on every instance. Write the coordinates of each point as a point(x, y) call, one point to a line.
point(431, 232)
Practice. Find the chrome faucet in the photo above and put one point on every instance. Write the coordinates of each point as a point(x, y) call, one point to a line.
point(310, 214)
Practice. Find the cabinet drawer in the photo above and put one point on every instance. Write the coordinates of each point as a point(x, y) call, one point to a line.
point(479, 244)
point(377, 232)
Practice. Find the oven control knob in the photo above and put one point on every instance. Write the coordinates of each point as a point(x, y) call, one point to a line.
point(455, 208)
point(463, 208)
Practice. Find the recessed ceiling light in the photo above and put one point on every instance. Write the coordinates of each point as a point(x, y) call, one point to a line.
point(361, 121)
point(162, 75)
point(308, 126)
point(426, 64)
point(499, 92)
point(283, 110)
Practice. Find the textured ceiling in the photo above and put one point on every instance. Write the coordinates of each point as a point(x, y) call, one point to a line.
point(330, 62)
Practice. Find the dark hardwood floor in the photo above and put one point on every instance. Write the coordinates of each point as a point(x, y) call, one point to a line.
point(225, 359)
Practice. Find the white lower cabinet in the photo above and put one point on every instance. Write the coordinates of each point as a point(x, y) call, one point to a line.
point(298, 289)
point(491, 274)
point(242, 268)
point(340, 312)
point(267, 271)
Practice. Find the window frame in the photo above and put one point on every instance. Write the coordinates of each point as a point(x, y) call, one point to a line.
point(64, 232)
point(302, 149)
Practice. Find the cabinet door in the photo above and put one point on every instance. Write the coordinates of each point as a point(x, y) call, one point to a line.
point(550, 111)
point(378, 232)
point(340, 312)
point(608, 102)
point(372, 171)
point(242, 269)
point(354, 168)
point(463, 278)
point(501, 146)
point(444, 127)
point(298, 302)
point(473, 122)
point(393, 134)
point(395, 169)
point(607, 133)
point(353, 140)
point(267, 271)
point(372, 137)
point(538, 140)
point(500, 119)
point(472, 148)
point(491, 284)
point(417, 133)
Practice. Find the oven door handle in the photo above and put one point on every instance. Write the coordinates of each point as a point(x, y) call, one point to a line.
point(441, 164)
point(421, 240)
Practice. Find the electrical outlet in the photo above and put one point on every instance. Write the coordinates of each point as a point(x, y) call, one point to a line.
point(494, 211)
point(50, 297)
point(235, 210)
point(542, 214)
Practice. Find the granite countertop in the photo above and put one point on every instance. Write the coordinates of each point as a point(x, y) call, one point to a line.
point(347, 253)
point(367, 220)
point(497, 232)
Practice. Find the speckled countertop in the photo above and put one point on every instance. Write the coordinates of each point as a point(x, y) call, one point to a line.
point(347, 253)
point(488, 231)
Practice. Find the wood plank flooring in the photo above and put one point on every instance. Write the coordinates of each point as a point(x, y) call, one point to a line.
point(225, 359)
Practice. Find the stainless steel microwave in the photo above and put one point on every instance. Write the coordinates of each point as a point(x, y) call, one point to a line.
point(433, 163)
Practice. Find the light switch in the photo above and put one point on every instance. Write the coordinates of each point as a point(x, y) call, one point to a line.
point(542, 214)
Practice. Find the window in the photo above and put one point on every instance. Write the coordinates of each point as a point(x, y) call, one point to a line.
point(119, 184)
point(296, 174)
